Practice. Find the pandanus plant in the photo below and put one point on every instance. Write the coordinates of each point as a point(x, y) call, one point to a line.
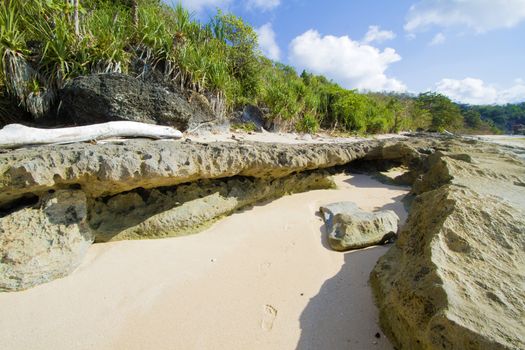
point(21, 80)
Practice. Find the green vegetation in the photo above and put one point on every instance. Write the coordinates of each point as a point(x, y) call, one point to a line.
point(246, 127)
point(507, 118)
point(443, 113)
point(45, 43)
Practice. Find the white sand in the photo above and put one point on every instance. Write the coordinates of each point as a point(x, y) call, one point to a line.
point(281, 137)
point(260, 279)
point(505, 140)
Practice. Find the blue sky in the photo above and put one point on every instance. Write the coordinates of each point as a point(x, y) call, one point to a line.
point(471, 50)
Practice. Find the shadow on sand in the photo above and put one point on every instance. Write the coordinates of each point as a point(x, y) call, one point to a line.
point(371, 181)
point(401, 204)
point(342, 315)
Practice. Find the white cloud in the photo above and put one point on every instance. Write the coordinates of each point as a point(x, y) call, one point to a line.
point(438, 39)
point(479, 15)
point(264, 5)
point(199, 5)
point(476, 91)
point(267, 42)
point(349, 62)
point(376, 34)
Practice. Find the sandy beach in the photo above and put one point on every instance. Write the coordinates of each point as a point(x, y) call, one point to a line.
point(262, 278)
point(205, 136)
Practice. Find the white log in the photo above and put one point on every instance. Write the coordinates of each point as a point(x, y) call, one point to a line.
point(17, 135)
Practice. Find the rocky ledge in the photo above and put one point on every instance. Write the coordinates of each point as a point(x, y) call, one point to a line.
point(107, 169)
point(57, 200)
point(455, 279)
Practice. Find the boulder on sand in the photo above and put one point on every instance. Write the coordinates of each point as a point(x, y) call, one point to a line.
point(44, 242)
point(349, 227)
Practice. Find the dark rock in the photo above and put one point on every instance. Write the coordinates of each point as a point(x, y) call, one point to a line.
point(108, 97)
point(250, 118)
point(11, 112)
point(253, 114)
point(279, 125)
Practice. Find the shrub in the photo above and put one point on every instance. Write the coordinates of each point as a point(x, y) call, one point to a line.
point(308, 124)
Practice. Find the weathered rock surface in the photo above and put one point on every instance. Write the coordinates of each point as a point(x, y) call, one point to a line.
point(109, 169)
point(144, 189)
point(188, 208)
point(455, 279)
point(482, 168)
point(411, 155)
point(349, 227)
point(102, 98)
point(43, 242)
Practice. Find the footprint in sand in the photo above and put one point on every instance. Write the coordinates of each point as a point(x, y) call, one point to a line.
point(268, 317)
point(264, 268)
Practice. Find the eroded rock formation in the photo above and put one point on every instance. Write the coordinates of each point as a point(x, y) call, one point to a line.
point(140, 189)
point(45, 241)
point(455, 278)
point(187, 208)
point(108, 169)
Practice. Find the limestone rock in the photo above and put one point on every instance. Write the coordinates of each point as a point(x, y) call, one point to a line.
point(44, 242)
point(111, 168)
point(350, 228)
point(405, 152)
point(187, 208)
point(455, 278)
point(100, 98)
point(486, 170)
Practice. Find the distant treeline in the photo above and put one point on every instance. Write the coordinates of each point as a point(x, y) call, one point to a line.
point(45, 43)
point(508, 118)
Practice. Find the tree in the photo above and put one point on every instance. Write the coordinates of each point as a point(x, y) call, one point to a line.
point(472, 119)
point(444, 113)
point(243, 53)
point(394, 105)
point(349, 109)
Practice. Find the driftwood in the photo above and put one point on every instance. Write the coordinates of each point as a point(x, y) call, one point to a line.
point(17, 135)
